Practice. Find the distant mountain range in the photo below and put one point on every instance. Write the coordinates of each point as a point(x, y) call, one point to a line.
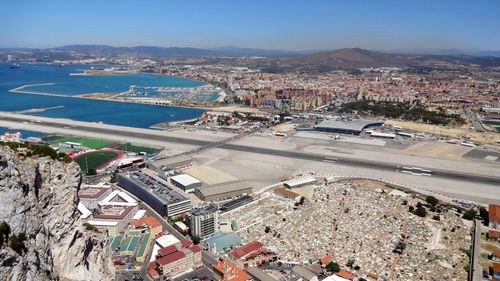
point(232, 51)
point(281, 60)
point(355, 58)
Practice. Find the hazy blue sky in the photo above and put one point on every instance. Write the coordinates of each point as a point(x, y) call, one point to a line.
point(271, 24)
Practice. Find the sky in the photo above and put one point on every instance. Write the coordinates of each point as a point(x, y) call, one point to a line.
point(269, 24)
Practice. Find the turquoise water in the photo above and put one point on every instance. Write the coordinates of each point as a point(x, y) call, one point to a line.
point(24, 133)
point(77, 85)
point(116, 113)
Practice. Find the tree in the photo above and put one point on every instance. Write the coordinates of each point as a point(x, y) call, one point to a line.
point(431, 200)
point(16, 243)
point(470, 214)
point(88, 226)
point(196, 239)
point(113, 177)
point(333, 267)
point(4, 231)
point(421, 212)
point(267, 229)
point(66, 159)
point(483, 213)
point(350, 263)
point(92, 172)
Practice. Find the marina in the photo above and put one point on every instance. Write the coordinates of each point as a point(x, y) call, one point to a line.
point(38, 80)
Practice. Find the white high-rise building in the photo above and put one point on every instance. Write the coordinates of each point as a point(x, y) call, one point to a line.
point(205, 221)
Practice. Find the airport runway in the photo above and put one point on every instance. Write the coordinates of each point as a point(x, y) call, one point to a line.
point(148, 134)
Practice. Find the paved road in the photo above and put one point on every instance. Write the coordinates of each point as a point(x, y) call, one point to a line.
point(358, 162)
point(477, 274)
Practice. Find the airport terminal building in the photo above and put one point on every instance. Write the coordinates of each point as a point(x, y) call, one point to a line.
point(352, 127)
point(163, 199)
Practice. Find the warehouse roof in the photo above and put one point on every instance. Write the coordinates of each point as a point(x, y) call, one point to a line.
point(259, 274)
point(303, 272)
point(300, 181)
point(172, 161)
point(224, 188)
point(223, 241)
point(185, 180)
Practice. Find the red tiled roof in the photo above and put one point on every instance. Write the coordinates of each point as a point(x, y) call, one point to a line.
point(494, 213)
point(97, 192)
point(496, 267)
point(152, 270)
point(167, 250)
point(326, 259)
point(493, 234)
point(151, 222)
point(186, 243)
point(231, 271)
point(171, 258)
point(247, 249)
point(120, 216)
point(346, 275)
point(195, 249)
point(286, 192)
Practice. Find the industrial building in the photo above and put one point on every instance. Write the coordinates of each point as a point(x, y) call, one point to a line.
point(163, 199)
point(352, 127)
point(205, 221)
point(295, 183)
point(185, 182)
point(223, 190)
point(166, 167)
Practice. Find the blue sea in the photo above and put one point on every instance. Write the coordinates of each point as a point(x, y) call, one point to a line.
point(116, 113)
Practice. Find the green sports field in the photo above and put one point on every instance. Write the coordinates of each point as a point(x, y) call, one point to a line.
point(95, 159)
point(87, 142)
point(137, 149)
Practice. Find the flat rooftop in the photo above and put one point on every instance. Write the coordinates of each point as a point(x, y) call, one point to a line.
point(185, 180)
point(172, 161)
point(224, 188)
point(209, 209)
point(164, 193)
point(352, 125)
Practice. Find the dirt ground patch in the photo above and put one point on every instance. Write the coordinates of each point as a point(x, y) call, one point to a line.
point(209, 175)
point(437, 149)
point(446, 132)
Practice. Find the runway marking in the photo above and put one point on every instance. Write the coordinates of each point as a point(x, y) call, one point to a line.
point(257, 164)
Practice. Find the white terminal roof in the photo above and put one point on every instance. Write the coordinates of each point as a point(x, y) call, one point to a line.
point(335, 278)
point(139, 214)
point(129, 201)
point(84, 210)
point(103, 223)
point(301, 181)
point(167, 240)
point(181, 225)
point(185, 180)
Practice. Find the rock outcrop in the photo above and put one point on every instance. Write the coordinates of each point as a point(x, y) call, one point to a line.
point(38, 197)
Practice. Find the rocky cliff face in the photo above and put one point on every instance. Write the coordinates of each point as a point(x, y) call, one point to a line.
point(38, 197)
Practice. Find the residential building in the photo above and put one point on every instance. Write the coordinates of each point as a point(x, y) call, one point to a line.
point(205, 221)
point(228, 271)
point(176, 259)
